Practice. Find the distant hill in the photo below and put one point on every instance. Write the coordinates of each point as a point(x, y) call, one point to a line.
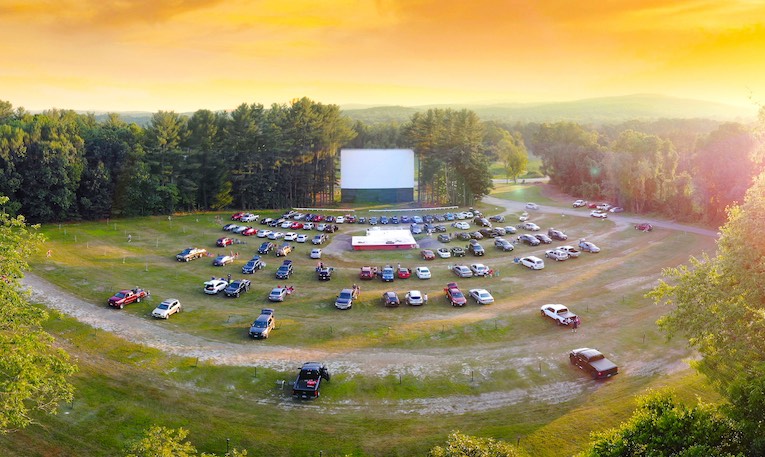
point(604, 110)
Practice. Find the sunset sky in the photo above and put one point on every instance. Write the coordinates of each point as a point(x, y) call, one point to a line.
point(185, 55)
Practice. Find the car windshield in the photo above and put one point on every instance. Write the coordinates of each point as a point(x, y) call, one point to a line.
point(259, 324)
point(344, 295)
point(120, 295)
point(163, 306)
point(456, 293)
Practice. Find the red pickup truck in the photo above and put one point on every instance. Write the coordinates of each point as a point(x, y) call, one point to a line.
point(127, 296)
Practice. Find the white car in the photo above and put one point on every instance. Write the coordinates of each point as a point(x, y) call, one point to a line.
point(249, 217)
point(415, 298)
point(579, 203)
point(481, 296)
point(530, 226)
point(462, 225)
point(461, 215)
point(422, 272)
point(559, 313)
point(286, 224)
point(604, 207)
point(302, 238)
point(308, 226)
point(510, 229)
point(275, 235)
point(167, 308)
point(290, 236)
point(321, 227)
point(524, 217)
point(340, 220)
point(533, 262)
point(532, 206)
point(444, 253)
point(316, 253)
point(214, 286)
point(571, 250)
point(479, 269)
point(557, 254)
point(263, 233)
point(599, 214)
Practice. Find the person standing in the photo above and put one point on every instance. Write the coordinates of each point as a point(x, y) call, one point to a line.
point(575, 324)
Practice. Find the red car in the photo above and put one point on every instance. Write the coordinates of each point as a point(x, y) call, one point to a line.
point(318, 218)
point(427, 254)
point(223, 242)
point(296, 225)
point(366, 273)
point(237, 216)
point(644, 227)
point(404, 273)
point(249, 231)
point(592, 205)
point(454, 294)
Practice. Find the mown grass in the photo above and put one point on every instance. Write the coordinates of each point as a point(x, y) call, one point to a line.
point(123, 388)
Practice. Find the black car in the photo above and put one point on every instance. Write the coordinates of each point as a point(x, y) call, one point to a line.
point(394, 220)
point(476, 235)
point(253, 265)
point(543, 238)
point(285, 270)
point(237, 287)
point(458, 252)
point(390, 299)
point(503, 244)
point(487, 233)
point(266, 247)
point(476, 249)
point(464, 236)
point(324, 273)
point(557, 234)
point(444, 238)
point(531, 240)
point(440, 228)
point(497, 218)
point(362, 220)
point(593, 362)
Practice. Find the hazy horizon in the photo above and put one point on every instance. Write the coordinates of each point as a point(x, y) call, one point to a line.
point(142, 55)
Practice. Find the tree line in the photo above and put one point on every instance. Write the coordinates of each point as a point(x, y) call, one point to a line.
point(60, 165)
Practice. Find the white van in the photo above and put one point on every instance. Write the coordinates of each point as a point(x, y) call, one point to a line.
point(535, 263)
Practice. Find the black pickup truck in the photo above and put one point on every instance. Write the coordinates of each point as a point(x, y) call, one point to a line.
point(593, 362)
point(309, 380)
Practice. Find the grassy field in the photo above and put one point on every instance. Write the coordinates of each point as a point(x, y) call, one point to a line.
point(481, 353)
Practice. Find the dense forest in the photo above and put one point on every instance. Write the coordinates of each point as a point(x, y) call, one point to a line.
point(61, 165)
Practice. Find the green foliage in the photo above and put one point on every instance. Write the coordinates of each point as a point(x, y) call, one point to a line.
point(662, 427)
point(460, 445)
point(161, 441)
point(33, 373)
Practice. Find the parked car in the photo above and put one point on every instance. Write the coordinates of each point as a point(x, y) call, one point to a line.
point(290, 236)
point(403, 273)
point(543, 238)
point(644, 227)
point(533, 262)
point(266, 247)
point(285, 270)
point(498, 218)
point(530, 226)
point(458, 251)
point(223, 260)
point(531, 240)
point(315, 253)
point(390, 299)
point(556, 234)
point(462, 271)
point(557, 254)
point(278, 294)
point(263, 233)
point(454, 295)
point(263, 324)
point(229, 227)
point(579, 203)
point(616, 209)
point(223, 242)
point(593, 362)
point(427, 254)
point(366, 273)
point(415, 298)
point(572, 252)
point(510, 229)
point(319, 238)
point(237, 287)
point(476, 249)
point(253, 265)
point(479, 269)
point(167, 308)
point(213, 286)
point(462, 225)
point(444, 238)
point(587, 246)
point(346, 297)
point(604, 206)
point(559, 313)
point(503, 244)
point(283, 250)
point(249, 231)
point(237, 216)
point(302, 238)
point(387, 274)
point(422, 272)
point(481, 296)
point(444, 253)
point(599, 214)
point(191, 254)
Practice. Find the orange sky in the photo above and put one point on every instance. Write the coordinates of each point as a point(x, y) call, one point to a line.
point(185, 55)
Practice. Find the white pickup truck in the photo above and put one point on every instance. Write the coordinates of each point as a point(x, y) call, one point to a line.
point(558, 313)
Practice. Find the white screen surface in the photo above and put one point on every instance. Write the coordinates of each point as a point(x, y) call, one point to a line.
point(376, 168)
